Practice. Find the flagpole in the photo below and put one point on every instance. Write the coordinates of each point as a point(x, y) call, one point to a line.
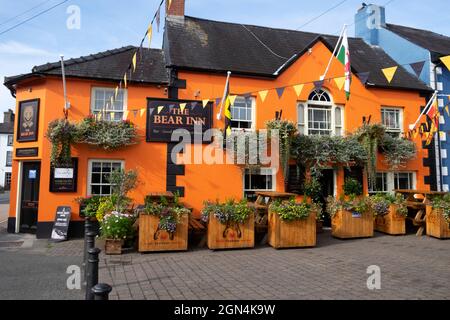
point(334, 52)
point(219, 115)
point(413, 126)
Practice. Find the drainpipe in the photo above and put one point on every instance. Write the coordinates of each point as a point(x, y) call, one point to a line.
point(440, 184)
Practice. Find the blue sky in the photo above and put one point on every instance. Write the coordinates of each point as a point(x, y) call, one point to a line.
point(107, 24)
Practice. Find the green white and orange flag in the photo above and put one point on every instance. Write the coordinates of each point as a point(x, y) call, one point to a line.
point(344, 57)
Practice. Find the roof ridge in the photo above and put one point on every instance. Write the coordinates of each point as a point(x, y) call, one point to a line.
point(266, 27)
point(95, 56)
point(417, 29)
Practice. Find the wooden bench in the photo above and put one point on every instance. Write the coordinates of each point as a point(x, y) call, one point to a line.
point(197, 227)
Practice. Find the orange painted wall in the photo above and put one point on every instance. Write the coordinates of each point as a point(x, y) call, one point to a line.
point(202, 182)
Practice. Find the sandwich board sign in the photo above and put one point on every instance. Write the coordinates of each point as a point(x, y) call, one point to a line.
point(61, 225)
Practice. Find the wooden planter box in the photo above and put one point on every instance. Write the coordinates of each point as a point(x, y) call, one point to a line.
point(231, 236)
point(151, 239)
point(348, 225)
point(437, 226)
point(113, 247)
point(294, 234)
point(392, 223)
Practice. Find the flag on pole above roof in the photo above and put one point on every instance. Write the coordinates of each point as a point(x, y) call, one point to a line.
point(344, 58)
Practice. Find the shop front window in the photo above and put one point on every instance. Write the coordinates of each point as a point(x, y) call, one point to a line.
point(258, 180)
point(100, 176)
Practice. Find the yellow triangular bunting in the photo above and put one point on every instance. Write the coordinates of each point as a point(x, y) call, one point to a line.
point(134, 61)
point(182, 106)
point(447, 111)
point(142, 111)
point(263, 95)
point(149, 34)
point(205, 103)
point(113, 115)
point(340, 82)
point(125, 80)
point(232, 99)
point(116, 92)
point(125, 115)
point(389, 73)
point(446, 61)
point(170, 3)
point(442, 135)
point(160, 109)
point(298, 89)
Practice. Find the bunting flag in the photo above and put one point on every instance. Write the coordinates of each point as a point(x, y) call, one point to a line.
point(280, 91)
point(125, 80)
point(446, 110)
point(232, 100)
point(142, 112)
point(159, 109)
point(433, 113)
point(134, 61)
point(169, 4)
point(116, 92)
point(415, 133)
point(112, 115)
point(263, 95)
point(182, 107)
point(135, 113)
point(318, 85)
point(344, 58)
point(442, 135)
point(205, 103)
point(125, 114)
point(446, 61)
point(158, 18)
point(417, 67)
point(218, 101)
point(363, 77)
point(193, 105)
point(298, 89)
point(151, 110)
point(389, 73)
point(149, 35)
point(171, 108)
point(340, 82)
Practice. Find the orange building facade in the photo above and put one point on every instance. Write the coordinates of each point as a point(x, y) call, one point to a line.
point(197, 182)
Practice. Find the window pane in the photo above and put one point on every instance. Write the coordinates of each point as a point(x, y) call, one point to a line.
point(106, 190)
point(301, 114)
point(95, 190)
point(95, 178)
point(338, 117)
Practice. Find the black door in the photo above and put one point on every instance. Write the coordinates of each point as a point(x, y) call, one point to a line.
point(327, 183)
point(30, 197)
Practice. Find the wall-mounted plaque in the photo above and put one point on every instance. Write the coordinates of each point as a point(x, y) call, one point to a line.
point(28, 122)
point(27, 152)
point(64, 179)
point(165, 116)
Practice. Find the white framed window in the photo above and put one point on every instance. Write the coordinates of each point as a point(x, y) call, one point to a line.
point(243, 113)
point(404, 181)
point(99, 176)
point(8, 176)
point(9, 158)
point(101, 103)
point(392, 119)
point(10, 140)
point(390, 181)
point(263, 179)
point(319, 116)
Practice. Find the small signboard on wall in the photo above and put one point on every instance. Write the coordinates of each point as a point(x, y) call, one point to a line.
point(166, 116)
point(64, 179)
point(61, 225)
point(27, 124)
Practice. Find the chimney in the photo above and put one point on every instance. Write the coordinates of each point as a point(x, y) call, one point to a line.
point(8, 116)
point(369, 20)
point(176, 8)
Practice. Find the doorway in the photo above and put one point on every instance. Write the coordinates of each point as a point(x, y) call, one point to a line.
point(327, 184)
point(29, 202)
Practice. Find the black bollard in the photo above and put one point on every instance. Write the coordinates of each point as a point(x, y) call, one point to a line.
point(101, 291)
point(90, 244)
point(92, 272)
point(87, 229)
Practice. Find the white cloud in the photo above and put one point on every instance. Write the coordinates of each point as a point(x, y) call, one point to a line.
point(17, 48)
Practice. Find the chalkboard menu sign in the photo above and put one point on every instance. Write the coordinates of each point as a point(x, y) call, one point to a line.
point(61, 225)
point(64, 179)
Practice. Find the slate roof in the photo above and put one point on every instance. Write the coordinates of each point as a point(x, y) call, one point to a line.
point(437, 44)
point(108, 65)
point(7, 128)
point(214, 46)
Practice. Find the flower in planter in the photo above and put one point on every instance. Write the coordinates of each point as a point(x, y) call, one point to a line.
point(116, 226)
point(169, 214)
point(229, 211)
point(442, 203)
point(353, 204)
point(381, 202)
point(293, 211)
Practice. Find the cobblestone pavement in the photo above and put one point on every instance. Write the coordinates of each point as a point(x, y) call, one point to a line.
point(411, 268)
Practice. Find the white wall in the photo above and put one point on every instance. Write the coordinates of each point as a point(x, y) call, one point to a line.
point(3, 149)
